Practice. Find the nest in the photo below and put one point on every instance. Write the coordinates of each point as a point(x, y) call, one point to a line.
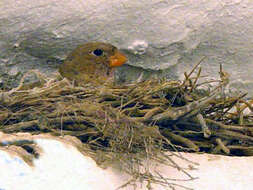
point(132, 123)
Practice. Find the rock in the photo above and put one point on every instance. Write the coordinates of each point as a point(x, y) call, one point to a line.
point(157, 35)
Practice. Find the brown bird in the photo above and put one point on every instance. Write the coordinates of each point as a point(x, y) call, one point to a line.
point(92, 62)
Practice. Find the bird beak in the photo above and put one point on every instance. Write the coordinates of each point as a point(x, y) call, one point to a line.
point(117, 59)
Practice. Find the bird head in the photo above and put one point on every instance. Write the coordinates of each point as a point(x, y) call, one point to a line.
point(92, 62)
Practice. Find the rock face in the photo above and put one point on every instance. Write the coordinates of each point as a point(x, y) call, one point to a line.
point(164, 37)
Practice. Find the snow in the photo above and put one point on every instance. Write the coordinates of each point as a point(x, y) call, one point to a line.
point(62, 167)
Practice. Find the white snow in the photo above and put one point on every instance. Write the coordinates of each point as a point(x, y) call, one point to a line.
point(62, 167)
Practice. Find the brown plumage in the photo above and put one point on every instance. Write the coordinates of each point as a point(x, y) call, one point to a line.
point(92, 62)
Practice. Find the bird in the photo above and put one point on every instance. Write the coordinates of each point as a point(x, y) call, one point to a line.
point(92, 63)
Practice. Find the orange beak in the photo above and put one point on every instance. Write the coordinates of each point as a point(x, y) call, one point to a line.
point(117, 59)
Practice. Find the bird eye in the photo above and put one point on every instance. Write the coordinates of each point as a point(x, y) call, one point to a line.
point(98, 52)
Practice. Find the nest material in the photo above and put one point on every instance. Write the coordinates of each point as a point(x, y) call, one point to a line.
point(134, 122)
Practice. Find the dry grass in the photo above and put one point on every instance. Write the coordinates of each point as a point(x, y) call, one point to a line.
point(132, 123)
